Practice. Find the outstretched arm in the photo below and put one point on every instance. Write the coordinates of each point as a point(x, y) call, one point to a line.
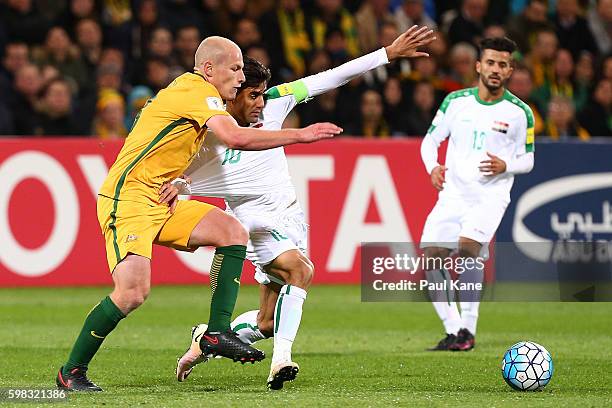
point(404, 46)
point(243, 138)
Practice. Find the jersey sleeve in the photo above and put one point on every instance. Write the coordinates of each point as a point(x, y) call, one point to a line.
point(281, 99)
point(201, 104)
point(523, 159)
point(336, 77)
point(437, 132)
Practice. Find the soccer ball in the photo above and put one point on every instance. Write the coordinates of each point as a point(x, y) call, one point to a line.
point(527, 366)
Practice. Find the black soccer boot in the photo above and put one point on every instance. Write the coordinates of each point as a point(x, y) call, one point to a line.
point(75, 380)
point(227, 344)
point(444, 344)
point(465, 341)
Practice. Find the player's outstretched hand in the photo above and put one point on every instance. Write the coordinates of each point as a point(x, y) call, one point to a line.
point(168, 194)
point(406, 45)
point(319, 131)
point(493, 166)
point(437, 177)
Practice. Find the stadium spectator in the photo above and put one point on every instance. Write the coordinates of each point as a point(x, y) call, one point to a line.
point(23, 22)
point(59, 52)
point(227, 14)
point(323, 108)
point(462, 62)
point(423, 109)
point(395, 107)
point(284, 31)
point(412, 12)
point(599, 17)
point(55, 116)
point(76, 11)
point(186, 42)
point(147, 19)
point(596, 116)
point(331, 15)
point(523, 28)
point(584, 72)
point(561, 123)
point(158, 74)
point(369, 18)
point(521, 85)
point(562, 83)
point(109, 120)
point(378, 77)
point(572, 29)
point(470, 23)
point(494, 31)
point(246, 33)
point(89, 40)
point(137, 98)
point(182, 13)
point(27, 85)
point(606, 67)
point(15, 57)
point(371, 124)
point(542, 56)
point(260, 53)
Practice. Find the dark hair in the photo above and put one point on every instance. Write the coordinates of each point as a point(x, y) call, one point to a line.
point(497, 44)
point(255, 73)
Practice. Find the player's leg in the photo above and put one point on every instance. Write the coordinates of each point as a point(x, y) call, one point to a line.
point(129, 261)
point(246, 326)
point(440, 234)
point(478, 228)
point(443, 301)
point(256, 325)
point(296, 270)
point(469, 300)
point(195, 224)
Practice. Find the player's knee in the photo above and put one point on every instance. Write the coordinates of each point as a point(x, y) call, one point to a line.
point(131, 299)
point(235, 234)
point(302, 275)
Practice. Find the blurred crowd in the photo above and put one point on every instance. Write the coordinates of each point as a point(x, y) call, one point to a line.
point(86, 67)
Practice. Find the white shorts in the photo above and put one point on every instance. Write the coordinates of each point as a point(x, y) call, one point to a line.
point(454, 217)
point(276, 224)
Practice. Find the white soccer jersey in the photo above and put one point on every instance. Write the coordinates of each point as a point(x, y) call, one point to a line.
point(223, 172)
point(503, 127)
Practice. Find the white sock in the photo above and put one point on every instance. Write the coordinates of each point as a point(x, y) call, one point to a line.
point(246, 328)
point(470, 300)
point(287, 317)
point(469, 315)
point(444, 301)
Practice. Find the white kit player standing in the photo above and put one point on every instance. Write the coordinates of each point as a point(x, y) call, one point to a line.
point(491, 139)
point(257, 189)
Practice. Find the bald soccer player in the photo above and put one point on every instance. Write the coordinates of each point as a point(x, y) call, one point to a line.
point(164, 139)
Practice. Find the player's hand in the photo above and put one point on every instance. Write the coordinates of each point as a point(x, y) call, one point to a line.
point(493, 166)
point(405, 46)
point(437, 177)
point(168, 194)
point(318, 131)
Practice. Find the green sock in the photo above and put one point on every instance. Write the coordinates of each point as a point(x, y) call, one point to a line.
point(102, 319)
point(224, 282)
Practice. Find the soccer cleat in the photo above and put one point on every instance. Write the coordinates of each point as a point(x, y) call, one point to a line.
point(193, 356)
point(227, 344)
point(281, 373)
point(445, 343)
point(75, 380)
point(465, 341)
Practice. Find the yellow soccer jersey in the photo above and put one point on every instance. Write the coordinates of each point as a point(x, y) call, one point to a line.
point(166, 135)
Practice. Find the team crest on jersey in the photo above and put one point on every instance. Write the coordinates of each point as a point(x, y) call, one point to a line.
point(215, 103)
point(501, 127)
point(131, 238)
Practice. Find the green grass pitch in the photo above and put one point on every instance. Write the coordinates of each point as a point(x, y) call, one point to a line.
point(350, 353)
